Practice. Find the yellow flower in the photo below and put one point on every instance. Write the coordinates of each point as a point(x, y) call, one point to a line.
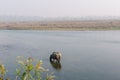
point(1, 78)
point(2, 69)
point(38, 65)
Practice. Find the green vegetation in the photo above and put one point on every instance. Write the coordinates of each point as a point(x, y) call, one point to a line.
point(2, 71)
point(27, 70)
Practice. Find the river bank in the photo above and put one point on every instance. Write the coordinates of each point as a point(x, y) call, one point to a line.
point(62, 25)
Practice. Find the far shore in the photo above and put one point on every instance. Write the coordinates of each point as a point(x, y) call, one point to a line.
point(62, 25)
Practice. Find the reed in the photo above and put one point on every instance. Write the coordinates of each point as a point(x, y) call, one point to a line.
point(28, 69)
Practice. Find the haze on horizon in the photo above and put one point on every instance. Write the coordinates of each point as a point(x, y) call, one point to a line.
point(60, 8)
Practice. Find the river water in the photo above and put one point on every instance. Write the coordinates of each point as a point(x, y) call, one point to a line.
point(86, 55)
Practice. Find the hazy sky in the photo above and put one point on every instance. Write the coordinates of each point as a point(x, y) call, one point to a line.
point(60, 8)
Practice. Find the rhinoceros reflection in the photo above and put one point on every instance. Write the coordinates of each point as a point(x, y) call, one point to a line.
point(56, 66)
point(55, 58)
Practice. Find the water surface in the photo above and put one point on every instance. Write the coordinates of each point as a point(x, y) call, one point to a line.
point(86, 55)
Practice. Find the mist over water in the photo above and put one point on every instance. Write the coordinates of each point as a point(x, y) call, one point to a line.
point(86, 55)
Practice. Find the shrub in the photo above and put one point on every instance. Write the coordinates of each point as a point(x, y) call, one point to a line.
point(27, 70)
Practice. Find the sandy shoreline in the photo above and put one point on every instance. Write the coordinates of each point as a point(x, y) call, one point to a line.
point(62, 25)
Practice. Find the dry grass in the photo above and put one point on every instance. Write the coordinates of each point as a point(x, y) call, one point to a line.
point(63, 25)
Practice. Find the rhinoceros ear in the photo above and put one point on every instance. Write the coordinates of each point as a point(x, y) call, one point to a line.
point(60, 54)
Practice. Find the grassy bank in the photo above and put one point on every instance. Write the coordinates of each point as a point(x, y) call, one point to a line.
point(62, 25)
